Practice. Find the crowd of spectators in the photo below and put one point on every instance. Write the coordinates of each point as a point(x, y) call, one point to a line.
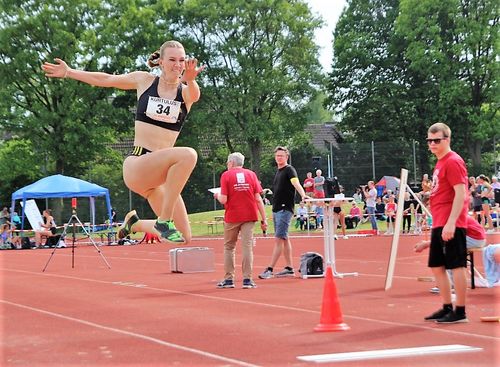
point(381, 207)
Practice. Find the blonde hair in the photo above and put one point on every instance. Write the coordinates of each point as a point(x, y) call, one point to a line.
point(155, 57)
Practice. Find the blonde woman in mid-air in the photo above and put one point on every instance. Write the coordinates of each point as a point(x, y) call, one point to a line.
point(155, 169)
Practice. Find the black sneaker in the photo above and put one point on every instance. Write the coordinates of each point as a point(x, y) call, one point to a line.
point(226, 283)
point(249, 283)
point(168, 232)
point(126, 228)
point(285, 273)
point(452, 318)
point(438, 314)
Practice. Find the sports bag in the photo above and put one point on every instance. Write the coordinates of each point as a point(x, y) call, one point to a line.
point(311, 263)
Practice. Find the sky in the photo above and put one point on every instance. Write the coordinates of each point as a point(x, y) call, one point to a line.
point(330, 11)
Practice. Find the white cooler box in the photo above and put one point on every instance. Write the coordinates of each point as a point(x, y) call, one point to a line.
point(191, 260)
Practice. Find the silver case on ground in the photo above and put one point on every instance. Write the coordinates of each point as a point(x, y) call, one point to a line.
point(191, 260)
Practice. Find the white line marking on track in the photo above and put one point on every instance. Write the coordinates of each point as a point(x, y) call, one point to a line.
point(269, 305)
point(388, 353)
point(135, 335)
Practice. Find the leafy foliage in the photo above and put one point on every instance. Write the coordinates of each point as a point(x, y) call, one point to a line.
point(399, 66)
point(262, 70)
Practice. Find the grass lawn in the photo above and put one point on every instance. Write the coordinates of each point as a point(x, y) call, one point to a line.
point(211, 223)
point(201, 227)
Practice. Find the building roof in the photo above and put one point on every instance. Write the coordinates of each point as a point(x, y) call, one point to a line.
point(324, 134)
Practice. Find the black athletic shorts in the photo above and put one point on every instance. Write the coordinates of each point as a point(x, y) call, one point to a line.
point(337, 209)
point(138, 151)
point(451, 254)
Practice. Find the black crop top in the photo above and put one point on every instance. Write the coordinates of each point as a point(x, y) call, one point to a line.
point(162, 112)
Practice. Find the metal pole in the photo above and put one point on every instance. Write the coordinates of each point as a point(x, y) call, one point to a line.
point(329, 168)
point(495, 154)
point(373, 160)
point(213, 185)
point(414, 163)
point(331, 157)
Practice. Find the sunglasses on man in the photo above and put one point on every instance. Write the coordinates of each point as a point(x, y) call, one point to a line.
point(436, 140)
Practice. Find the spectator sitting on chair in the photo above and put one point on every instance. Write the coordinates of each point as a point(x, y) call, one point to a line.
point(302, 216)
point(47, 228)
point(4, 232)
point(4, 216)
point(355, 214)
point(380, 209)
point(320, 212)
point(16, 220)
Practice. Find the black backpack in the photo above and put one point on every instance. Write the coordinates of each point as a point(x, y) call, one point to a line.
point(25, 243)
point(311, 263)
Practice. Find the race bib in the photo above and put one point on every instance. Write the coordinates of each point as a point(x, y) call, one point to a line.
point(162, 109)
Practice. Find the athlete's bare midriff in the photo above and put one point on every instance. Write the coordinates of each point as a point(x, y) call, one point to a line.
point(153, 137)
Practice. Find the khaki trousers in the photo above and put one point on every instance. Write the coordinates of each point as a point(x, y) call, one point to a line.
point(231, 231)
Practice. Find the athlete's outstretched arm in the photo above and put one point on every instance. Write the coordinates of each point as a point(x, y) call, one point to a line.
point(98, 79)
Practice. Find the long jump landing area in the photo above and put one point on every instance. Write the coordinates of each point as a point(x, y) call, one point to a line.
point(138, 313)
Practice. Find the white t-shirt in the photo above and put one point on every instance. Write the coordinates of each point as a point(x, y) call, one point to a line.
point(371, 198)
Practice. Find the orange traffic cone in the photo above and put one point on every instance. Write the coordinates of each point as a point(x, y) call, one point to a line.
point(331, 315)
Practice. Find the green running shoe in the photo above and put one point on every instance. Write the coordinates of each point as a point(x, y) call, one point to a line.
point(168, 232)
point(126, 228)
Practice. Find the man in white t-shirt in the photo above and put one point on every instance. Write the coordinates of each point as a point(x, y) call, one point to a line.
point(370, 193)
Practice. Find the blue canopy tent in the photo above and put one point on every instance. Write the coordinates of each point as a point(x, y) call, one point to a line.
point(59, 186)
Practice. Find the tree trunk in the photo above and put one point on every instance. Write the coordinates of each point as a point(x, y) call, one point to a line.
point(475, 147)
point(255, 153)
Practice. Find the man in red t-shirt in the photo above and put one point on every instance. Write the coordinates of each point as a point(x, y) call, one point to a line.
point(241, 196)
point(309, 185)
point(448, 203)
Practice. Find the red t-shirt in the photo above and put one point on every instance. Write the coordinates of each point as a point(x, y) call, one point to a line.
point(309, 188)
point(450, 171)
point(474, 229)
point(390, 208)
point(240, 185)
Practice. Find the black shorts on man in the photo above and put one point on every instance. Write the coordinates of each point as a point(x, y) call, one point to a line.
point(451, 254)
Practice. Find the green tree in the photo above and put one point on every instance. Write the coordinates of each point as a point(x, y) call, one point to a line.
point(367, 85)
point(262, 70)
point(399, 66)
point(69, 121)
point(19, 163)
point(453, 45)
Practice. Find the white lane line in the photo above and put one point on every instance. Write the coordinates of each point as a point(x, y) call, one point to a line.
point(388, 353)
point(262, 304)
point(135, 335)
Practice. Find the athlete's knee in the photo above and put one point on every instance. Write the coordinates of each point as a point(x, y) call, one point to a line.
point(190, 156)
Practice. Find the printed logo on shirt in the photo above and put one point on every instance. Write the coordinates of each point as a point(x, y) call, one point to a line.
point(240, 177)
point(241, 184)
point(435, 181)
point(162, 109)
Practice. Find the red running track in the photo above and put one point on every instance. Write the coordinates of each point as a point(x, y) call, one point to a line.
point(139, 314)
